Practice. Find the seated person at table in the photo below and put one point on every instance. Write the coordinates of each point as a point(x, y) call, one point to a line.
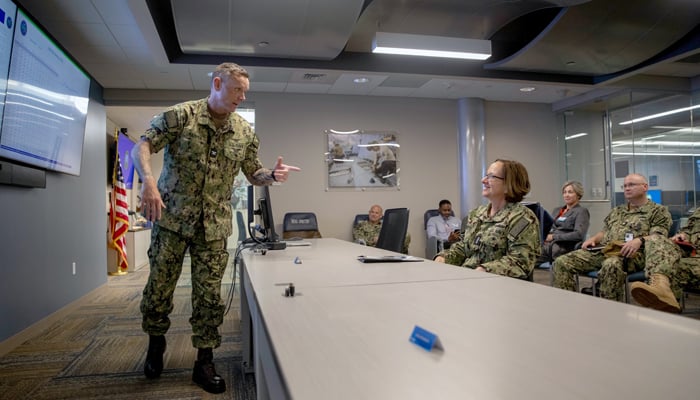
point(625, 231)
point(445, 227)
point(570, 226)
point(673, 268)
point(367, 232)
point(503, 236)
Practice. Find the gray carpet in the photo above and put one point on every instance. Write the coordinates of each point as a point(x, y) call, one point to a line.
point(98, 351)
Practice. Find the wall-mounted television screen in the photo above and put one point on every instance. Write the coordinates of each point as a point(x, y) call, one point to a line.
point(8, 11)
point(46, 102)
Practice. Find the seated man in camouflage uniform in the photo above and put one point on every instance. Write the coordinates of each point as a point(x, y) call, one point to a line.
point(676, 267)
point(367, 232)
point(630, 225)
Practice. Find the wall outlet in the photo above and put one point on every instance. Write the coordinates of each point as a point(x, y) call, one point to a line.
point(73, 268)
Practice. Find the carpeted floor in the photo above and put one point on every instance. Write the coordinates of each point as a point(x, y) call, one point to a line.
point(98, 351)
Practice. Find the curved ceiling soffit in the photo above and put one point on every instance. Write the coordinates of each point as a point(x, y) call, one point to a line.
point(473, 19)
point(606, 49)
point(507, 60)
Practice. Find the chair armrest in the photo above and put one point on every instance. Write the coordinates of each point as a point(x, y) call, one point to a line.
point(432, 247)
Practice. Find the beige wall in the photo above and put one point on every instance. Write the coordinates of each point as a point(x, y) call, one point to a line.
point(293, 126)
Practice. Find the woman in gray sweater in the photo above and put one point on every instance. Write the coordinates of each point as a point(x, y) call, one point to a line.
point(570, 224)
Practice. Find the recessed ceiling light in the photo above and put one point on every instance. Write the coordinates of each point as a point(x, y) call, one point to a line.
point(527, 89)
point(570, 63)
point(263, 44)
point(361, 80)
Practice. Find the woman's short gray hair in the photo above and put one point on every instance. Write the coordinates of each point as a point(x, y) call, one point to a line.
point(576, 185)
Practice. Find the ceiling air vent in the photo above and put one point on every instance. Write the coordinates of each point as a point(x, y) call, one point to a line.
point(314, 77)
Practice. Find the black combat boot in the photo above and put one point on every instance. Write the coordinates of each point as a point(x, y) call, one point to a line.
point(154, 358)
point(204, 373)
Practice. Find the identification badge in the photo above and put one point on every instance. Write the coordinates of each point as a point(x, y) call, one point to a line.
point(628, 236)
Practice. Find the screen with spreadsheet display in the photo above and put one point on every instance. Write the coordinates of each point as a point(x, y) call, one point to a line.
point(46, 101)
point(8, 11)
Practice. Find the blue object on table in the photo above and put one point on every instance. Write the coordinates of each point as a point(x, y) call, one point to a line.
point(425, 339)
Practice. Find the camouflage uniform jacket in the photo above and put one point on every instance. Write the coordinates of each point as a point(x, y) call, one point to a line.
point(692, 230)
point(199, 166)
point(366, 231)
point(649, 219)
point(506, 244)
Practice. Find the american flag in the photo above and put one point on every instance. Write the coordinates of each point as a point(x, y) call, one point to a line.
point(119, 214)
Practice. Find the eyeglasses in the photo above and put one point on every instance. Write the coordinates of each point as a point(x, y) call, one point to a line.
point(629, 185)
point(492, 177)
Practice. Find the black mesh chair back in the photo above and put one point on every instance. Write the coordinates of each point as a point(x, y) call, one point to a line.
point(300, 225)
point(394, 227)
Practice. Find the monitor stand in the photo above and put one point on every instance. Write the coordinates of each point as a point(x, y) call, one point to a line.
point(276, 245)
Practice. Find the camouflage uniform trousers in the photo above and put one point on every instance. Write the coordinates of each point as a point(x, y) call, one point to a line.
point(611, 274)
point(670, 260)
point(208, 263)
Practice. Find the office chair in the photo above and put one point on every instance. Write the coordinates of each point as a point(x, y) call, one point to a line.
point(686, 292)
point(359, 218)
point(300, 225)
point(545, 219)
point(394, 227)
point(432, 244)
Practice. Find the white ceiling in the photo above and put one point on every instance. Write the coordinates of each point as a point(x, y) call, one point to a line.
point(118, 43)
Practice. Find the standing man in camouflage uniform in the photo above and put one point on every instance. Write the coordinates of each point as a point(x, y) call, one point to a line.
point(672, 268)
point(503, 236)
point(206, 143)
point(630, 226)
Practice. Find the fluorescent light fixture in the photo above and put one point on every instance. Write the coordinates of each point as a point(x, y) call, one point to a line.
point(642, 154)
point(431, 46)
point(662, 114)
point(653, 137)
point(576, 135)
point(379, 144)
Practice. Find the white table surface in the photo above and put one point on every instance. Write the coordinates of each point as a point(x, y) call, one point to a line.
point(345, 335)
point(502, 338)
point(333, 262)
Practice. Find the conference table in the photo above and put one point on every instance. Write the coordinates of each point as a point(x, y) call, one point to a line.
point(345, 334)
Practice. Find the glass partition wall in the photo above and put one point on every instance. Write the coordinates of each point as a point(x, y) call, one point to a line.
point(651, 133)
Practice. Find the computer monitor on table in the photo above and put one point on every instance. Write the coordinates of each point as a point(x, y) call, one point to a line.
point(271, 240)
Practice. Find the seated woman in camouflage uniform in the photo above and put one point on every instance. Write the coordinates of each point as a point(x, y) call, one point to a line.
point(367, 232)
point(501, 237)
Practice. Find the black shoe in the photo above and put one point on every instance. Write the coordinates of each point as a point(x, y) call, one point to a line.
point(204, 373)
point(154, 358)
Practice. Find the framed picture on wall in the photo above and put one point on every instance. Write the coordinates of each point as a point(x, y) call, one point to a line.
point(362, 159)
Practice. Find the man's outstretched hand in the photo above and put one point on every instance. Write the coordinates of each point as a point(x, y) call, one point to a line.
point(281, 170)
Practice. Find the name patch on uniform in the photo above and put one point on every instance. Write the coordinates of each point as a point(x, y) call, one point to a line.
point(170, 119)
point(518, 227)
